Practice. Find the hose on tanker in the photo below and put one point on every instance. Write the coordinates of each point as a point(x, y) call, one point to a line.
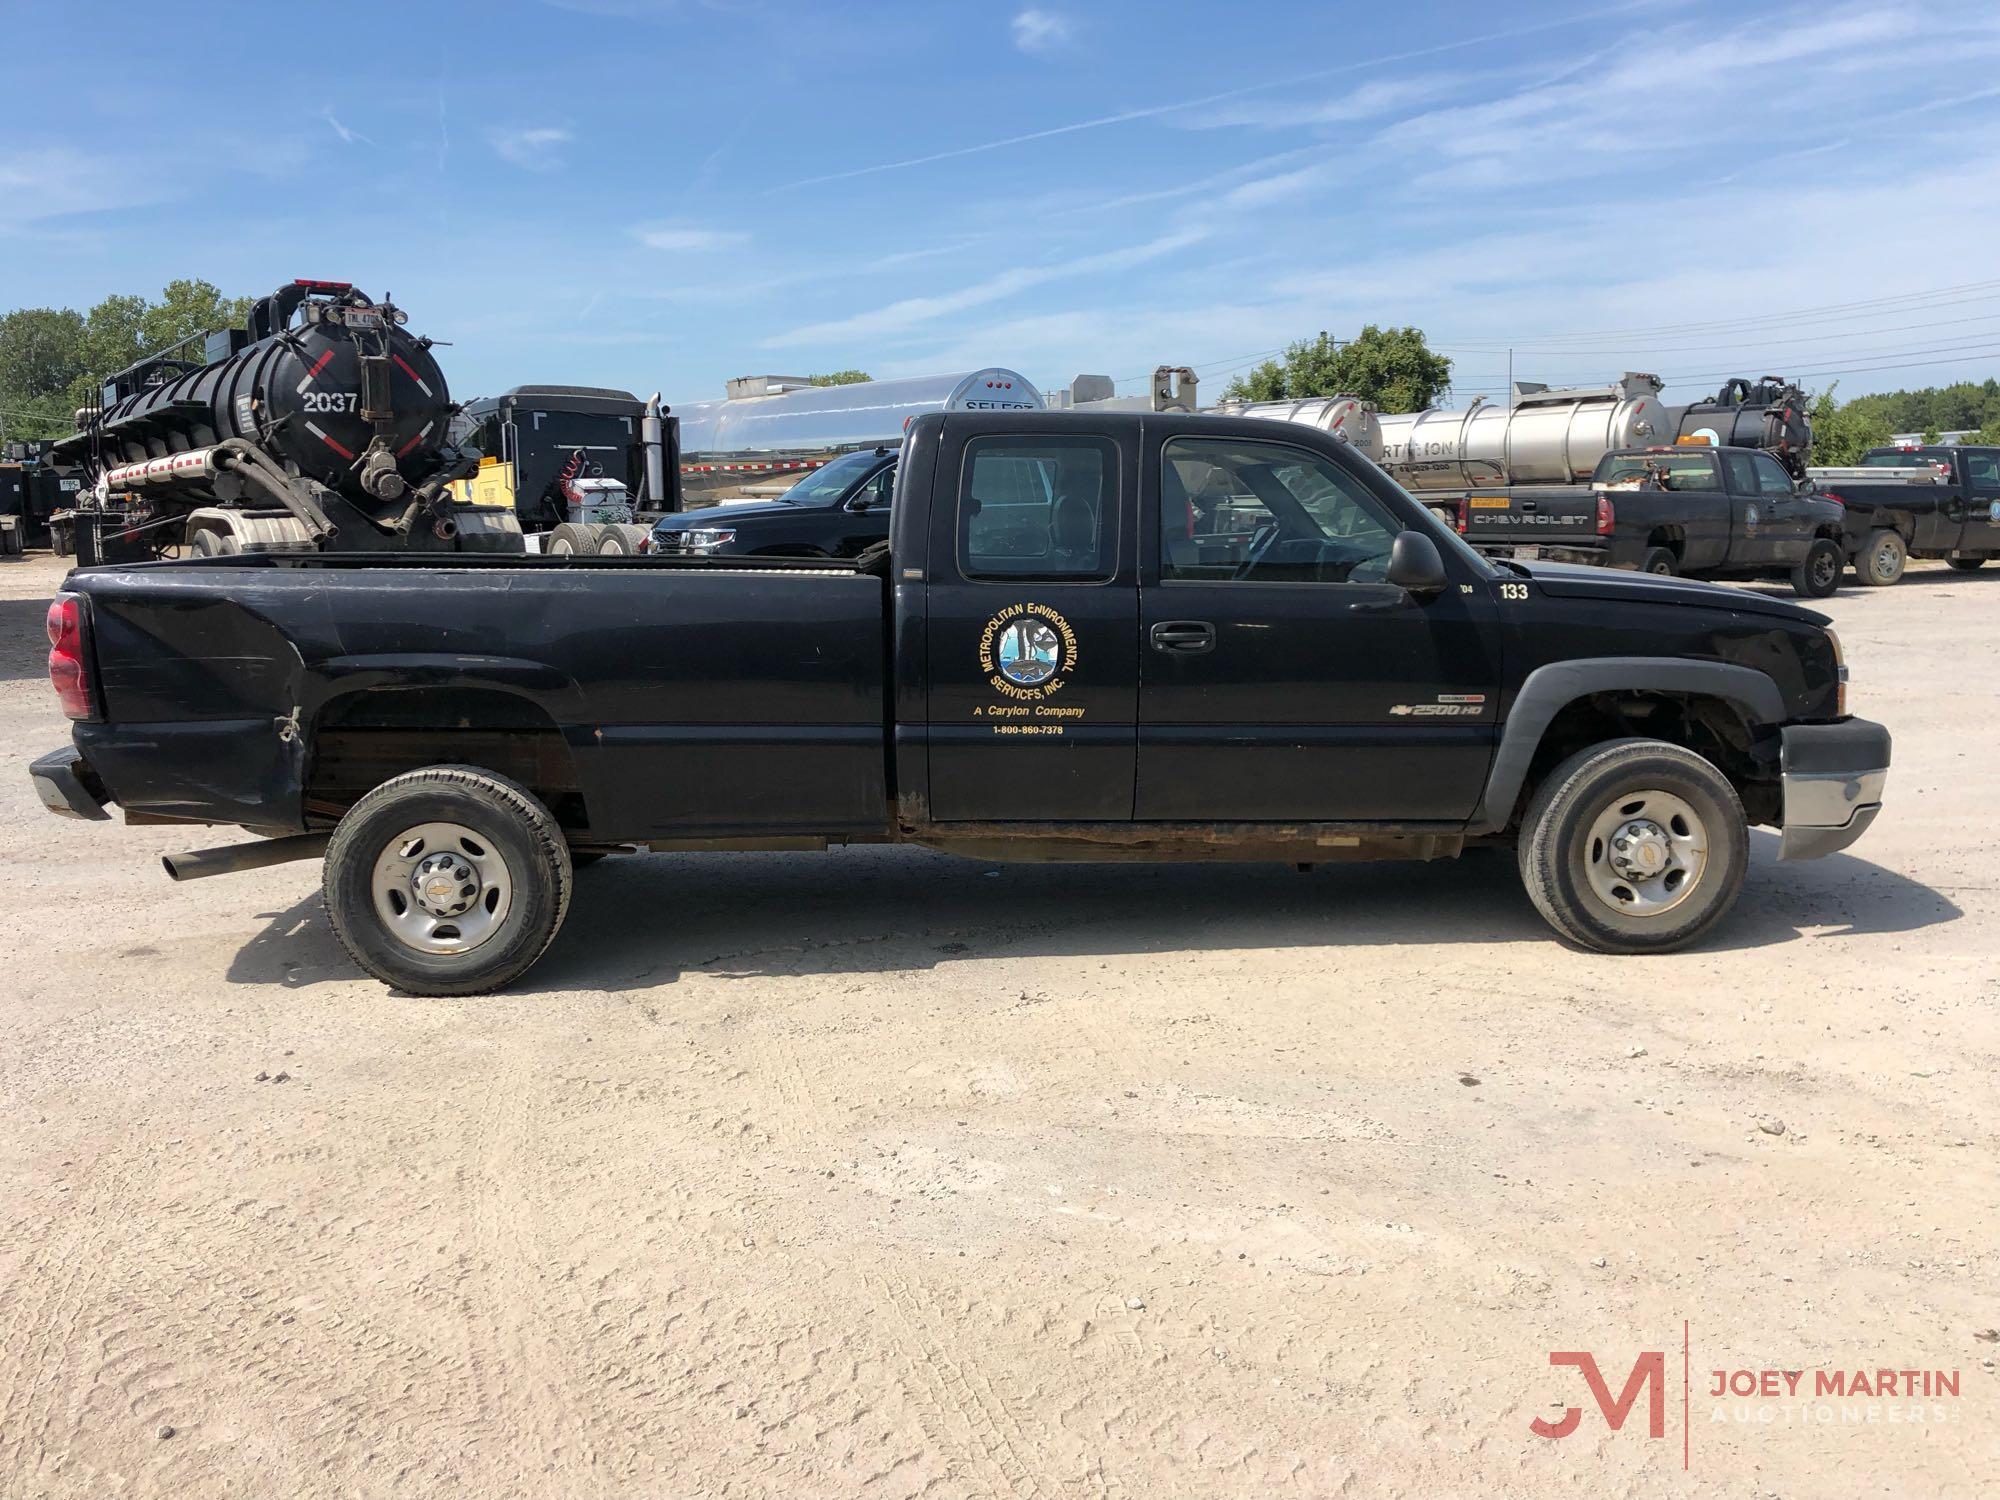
point(253, 467)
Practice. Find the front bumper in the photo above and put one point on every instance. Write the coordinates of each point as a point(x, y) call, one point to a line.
point(67, 785)
point(1833, 779)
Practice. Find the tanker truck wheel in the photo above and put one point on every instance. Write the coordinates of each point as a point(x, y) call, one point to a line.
point(1881, 559)
point(572, 539)
point(620, 541)
point(212, 543)
point(447, 881)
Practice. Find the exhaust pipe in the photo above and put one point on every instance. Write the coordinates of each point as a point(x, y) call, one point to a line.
point(197, 864)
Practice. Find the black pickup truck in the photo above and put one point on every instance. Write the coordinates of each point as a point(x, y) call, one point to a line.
point(1696, 511)
point(1941, 501)
point(838, 510)
point(1120, 636)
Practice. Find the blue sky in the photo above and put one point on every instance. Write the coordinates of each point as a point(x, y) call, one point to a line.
point(660, 194)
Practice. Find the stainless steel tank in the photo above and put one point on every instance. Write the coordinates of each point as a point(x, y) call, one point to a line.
point(1346, 417)
point(786, 417)
point(1544, 436)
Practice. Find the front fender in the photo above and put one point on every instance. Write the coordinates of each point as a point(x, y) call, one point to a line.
point(1549, 689)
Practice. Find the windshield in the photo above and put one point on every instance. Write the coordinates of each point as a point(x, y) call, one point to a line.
point(825, 485)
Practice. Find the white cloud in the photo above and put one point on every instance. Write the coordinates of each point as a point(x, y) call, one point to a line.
point(914, 312)
point(537, 148)
point(1038, 31)
point(347, 136)
point(680, 237)
point(1370, 101)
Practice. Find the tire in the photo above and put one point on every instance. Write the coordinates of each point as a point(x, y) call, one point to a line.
point(1818, 574)
point(1568, 864)
point(501, 846)
point(209, 542)
point(1660, 561)
point(620, 541)
point(62, 541)
point(1881, 559)
point(1967, 564)
point(573, 540)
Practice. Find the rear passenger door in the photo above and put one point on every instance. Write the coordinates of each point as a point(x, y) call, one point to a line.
point(1982, 518)
point(1032, 603)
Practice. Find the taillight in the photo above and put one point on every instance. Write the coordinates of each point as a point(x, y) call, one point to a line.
point(69, 672)
point(1836, 499)
point(1606, 516)
point(1460, 523)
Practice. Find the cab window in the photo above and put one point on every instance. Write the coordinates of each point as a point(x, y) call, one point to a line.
point(1244, 511)
point(1771, 476)
point(1038, 507)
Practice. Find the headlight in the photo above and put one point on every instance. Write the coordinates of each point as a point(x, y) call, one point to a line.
point(707, 539)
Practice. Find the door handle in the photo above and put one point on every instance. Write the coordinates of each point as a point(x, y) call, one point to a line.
point(1185, 637)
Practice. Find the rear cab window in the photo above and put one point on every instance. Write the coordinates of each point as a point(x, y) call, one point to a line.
point(1656, 471)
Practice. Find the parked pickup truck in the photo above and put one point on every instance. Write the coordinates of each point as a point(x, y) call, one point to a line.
point(1940, 501)
point(838, 510)
point(1121, 636)
point(1698, 511)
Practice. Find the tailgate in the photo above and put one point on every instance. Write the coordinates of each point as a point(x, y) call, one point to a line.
point(1566, 518)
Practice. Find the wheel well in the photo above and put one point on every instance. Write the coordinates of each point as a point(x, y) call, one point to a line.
point(1714, 728)
point(362, 739)
point(1672, 537)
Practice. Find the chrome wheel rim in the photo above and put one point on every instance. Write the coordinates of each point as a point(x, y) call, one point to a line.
point(441, 888)
point(1645, 853)
point(1885, 558)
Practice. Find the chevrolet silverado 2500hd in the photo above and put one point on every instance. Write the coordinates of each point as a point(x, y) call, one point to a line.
point(1118, 636)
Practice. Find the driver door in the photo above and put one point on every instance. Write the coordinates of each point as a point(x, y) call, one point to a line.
point(1281, 679)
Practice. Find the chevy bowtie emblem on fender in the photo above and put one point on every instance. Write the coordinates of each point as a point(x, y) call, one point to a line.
point(1448, 706)
point(1027, 652)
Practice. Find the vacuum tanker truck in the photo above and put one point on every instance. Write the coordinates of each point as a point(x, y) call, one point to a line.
point(322, 423)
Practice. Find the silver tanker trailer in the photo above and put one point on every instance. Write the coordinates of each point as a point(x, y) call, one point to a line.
point(1547, 435)
point(772, 429)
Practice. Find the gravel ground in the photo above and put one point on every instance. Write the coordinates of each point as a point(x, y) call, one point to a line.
point(883, 1173)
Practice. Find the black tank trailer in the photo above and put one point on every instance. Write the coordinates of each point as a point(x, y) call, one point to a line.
point(321, 423)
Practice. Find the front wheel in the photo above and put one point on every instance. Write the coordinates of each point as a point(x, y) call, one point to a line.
point(447, 881)
point(1881, 560)
point(1818, 574)
point(1967, 564)
point(1634, 846)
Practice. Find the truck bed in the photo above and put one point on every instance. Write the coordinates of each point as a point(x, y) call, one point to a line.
point(695, 698)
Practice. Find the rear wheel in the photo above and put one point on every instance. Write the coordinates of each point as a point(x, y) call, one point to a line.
point(1661, 560)
point(447, 881)
point(1967, 564)
point(209, 542)
point(620, 541)
point(1881, 560)
point(1634, 846)
point(573, 540)
point(1818, 574)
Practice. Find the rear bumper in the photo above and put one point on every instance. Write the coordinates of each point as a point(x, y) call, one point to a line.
point(67, 786)
point(1584, 554)
point(1833, 780)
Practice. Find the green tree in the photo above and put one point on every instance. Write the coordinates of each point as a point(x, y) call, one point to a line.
point(1841, 434)
point(1392, 367)
point(51, 358)
point(1932, 435)
point(841, 377)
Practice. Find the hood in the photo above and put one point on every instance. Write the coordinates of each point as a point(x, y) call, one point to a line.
point(730, 515)
point(1572, 581)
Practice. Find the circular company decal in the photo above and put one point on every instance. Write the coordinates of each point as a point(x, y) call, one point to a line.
point(1027, 651)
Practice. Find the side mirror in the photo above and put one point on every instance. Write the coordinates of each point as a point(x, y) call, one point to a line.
point(1415, 564)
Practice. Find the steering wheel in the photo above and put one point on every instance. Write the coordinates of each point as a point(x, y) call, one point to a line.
point(1370, 569)
point(1261, 541)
